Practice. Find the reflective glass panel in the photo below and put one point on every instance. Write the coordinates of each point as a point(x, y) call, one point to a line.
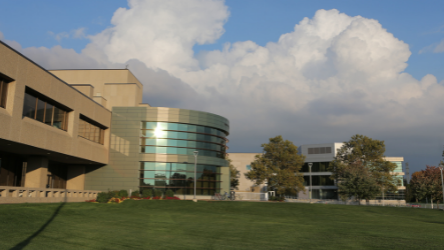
point(40, 110)
point(29, 106)
point(49, 114)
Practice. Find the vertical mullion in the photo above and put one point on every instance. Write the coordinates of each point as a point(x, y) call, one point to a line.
point(44, 112)
point(1, 90)
point(52, 116)
point(35, 107)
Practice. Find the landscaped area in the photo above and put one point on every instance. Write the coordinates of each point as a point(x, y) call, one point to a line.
point(165, 224)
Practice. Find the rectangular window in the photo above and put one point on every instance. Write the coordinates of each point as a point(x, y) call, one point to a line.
point(321, 150)
point(4, 80)
point(91, 130)
point(248, 167)
point(38, 107)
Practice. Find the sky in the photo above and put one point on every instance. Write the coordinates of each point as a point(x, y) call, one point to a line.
point(311, 71)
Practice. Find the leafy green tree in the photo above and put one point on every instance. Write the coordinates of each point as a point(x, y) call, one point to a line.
point(361, 170)
point(279, 165)
point(234, 175)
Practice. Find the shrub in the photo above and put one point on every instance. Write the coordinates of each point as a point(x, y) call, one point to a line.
point(169, 193)
point(135, 193)
point(104, 197)
point(147, 193)
point(123, 193)
point(172, 198)
point(276, 198)
point(158, 193)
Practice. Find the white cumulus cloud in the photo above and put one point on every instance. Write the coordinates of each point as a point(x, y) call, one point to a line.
point(331, 77)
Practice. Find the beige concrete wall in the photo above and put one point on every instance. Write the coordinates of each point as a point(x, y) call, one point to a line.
point(240, 162)
point(36, 172)
point(76, 177)
point(108, 83)
point(16, 128)
point(86, 89)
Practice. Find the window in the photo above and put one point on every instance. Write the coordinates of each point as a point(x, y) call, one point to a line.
point(40, 108)
point(248, 167)
point(4, 80)
point(90, 130)
point(322, 150)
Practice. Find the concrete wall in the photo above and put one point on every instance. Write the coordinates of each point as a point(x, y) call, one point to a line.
point(119, 87)
point(27, 131)
point(240, 162)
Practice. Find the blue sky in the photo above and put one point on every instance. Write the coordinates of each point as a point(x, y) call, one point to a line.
point(309, 94)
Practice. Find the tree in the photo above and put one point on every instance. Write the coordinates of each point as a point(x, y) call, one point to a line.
point(427, 183)
point(234, 175)
point(279, 165)
point(361, 170)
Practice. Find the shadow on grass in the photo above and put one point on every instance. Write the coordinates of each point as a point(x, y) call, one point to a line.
point(24, 243)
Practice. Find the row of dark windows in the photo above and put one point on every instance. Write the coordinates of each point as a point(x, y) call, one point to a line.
point(161, 134)
point(182, 127)
point(3, 90)
point(181, 167)
point(90, 131)
point(184, 190)
point(321, 150)
point(182, 144)
point(38, 108)
point(319, 180)
point(179, 151)
point(205, 176)
point(316, 167)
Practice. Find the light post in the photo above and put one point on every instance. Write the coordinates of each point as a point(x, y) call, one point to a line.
point(442, 184)
point(309, 167)
point(195, 174)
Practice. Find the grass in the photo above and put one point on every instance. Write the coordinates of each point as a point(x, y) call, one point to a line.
point(217, 225)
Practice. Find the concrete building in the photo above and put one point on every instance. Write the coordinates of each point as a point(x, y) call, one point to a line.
point(88, 130)
point(320, 155)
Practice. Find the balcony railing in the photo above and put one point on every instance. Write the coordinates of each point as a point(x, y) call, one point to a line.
point(44, 195)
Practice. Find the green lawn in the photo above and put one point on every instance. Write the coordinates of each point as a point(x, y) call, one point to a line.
point(217, 225)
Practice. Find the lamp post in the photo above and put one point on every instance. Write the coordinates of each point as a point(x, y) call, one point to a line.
point(195, 174)
point(442, 184)
point(310, 164)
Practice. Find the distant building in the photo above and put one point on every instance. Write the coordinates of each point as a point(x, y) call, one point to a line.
point(320, 155)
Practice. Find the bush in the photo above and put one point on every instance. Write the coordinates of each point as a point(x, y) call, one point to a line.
point(172, 198)
point(158, 193)
point(135, 193)
point(169, 193)
point(276, 198)
point(123, 193)
point(104, 197)
point(147, 193)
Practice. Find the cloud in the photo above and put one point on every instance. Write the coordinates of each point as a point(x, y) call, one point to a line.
point(74, 34)
point(333, 76)
point(435, 48)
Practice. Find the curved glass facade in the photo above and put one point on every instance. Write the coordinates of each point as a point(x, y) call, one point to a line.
point(182, 139)
point(179, 177)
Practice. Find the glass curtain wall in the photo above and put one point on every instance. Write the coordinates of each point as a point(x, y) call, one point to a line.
point(317, 167)
point(178, 138)
point(179, 177)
